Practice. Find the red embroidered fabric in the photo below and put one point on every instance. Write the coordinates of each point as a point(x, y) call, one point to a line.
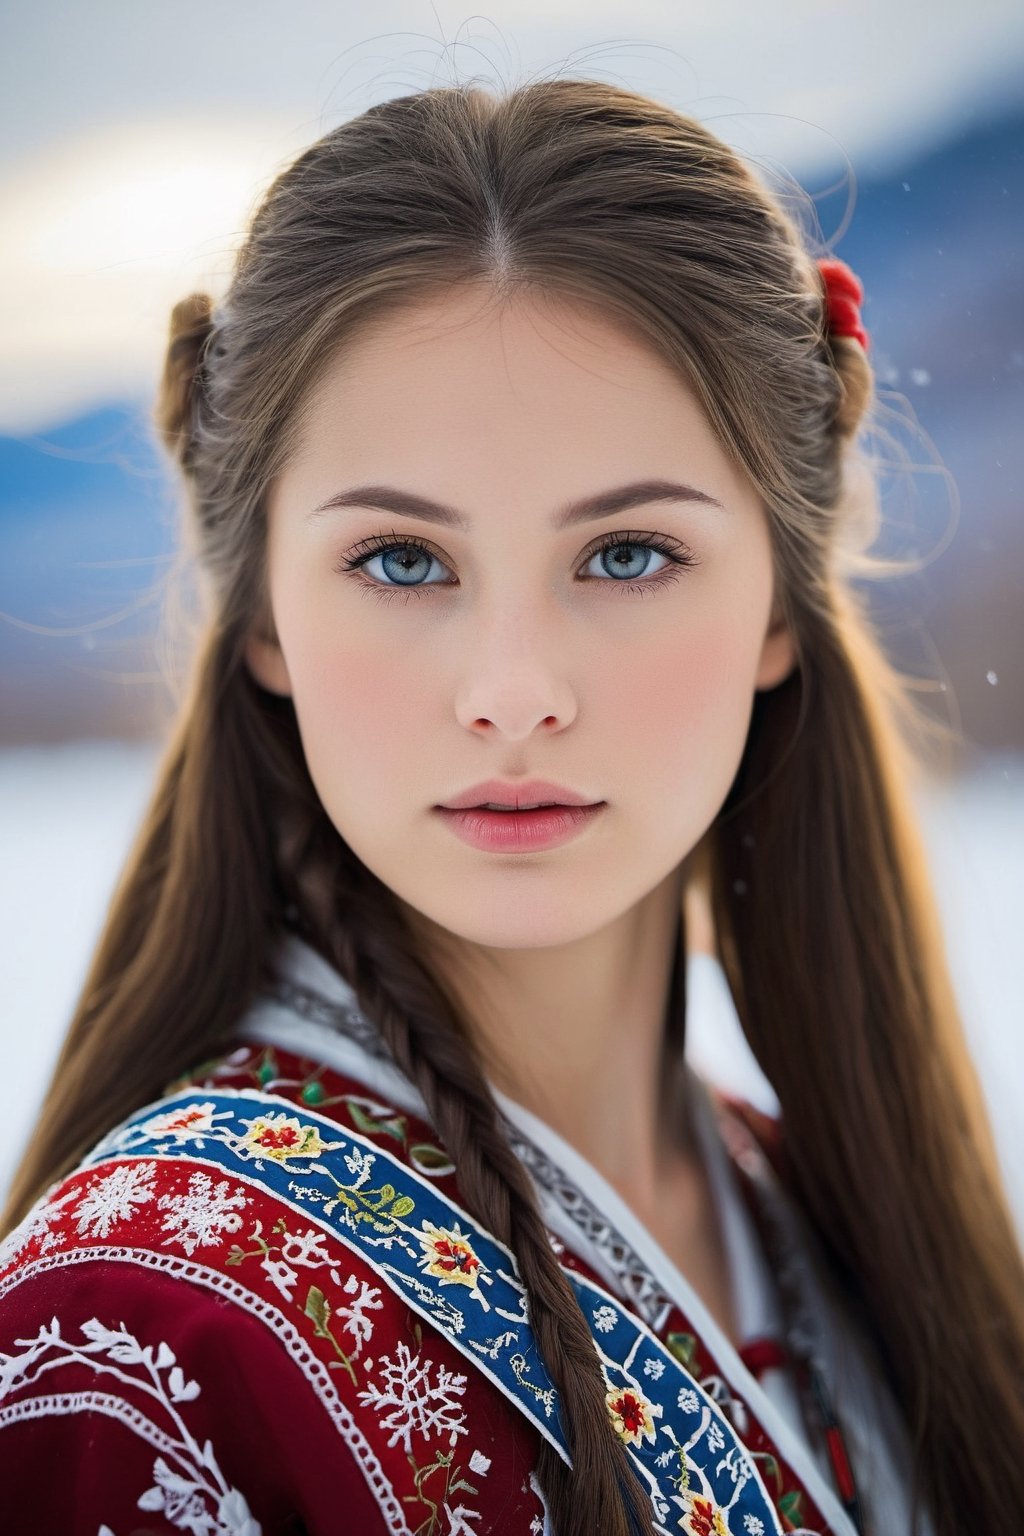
point(178, 1352)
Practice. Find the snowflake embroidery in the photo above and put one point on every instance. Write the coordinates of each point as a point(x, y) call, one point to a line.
point(200, 1216)
point(655, 1368)
point(604, 1319)
point(36, 1223)
point(414, 1403)
point(688, 1400)
point(114, 1198)
point(752, 1524)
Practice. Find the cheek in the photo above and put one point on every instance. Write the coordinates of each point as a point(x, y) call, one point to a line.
point(358, 707)
point(694, 685)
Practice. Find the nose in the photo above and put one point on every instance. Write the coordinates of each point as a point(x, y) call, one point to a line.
point(516, 680)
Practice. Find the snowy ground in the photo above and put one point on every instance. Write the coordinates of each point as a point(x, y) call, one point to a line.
point(67, 814)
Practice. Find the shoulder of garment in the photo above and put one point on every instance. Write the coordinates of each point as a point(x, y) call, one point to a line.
point(181, 1347)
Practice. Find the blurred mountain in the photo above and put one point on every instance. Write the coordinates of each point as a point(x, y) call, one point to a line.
point(88, 513)
point(88, 530)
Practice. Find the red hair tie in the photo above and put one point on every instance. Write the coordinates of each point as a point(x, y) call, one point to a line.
point(843, 294)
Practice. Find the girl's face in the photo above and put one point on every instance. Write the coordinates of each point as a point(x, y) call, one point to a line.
point(510, 646)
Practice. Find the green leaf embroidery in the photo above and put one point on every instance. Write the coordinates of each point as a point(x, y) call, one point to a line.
point(430, 1159)
point(789, 1505)
point(684, 1347)
point(393, 1126)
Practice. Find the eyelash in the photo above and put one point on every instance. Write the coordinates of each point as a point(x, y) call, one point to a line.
point(679, 555)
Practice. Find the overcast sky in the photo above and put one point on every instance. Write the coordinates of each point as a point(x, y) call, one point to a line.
point(135, 135)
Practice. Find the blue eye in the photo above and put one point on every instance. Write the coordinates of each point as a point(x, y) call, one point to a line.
point(416, 556)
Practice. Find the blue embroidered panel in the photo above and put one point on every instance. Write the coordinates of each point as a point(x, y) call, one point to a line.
point(460, 1278)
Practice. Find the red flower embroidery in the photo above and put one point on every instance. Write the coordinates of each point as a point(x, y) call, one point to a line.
point(452, 1256)
point(271, 1137)
point(631, 1415)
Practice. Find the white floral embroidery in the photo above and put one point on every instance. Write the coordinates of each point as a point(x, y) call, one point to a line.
point(360, 1164)
point(655, 1368)
point(752, 1524)
point(735, 1464)
point(184, 1501)
point(202, 1503)
point(199, 1217)
point(356, 1321)
point(480, 1463)
point(280, 1275)
point(716, 1439)
point(458, 1520)
point(415, 1404)
point(688, 1400)
point(604, 1319)
point(114, 1198)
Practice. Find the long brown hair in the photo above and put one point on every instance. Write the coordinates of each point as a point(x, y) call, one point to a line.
point(825, 923)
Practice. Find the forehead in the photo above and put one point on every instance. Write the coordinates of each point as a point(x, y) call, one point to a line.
point(528, 389)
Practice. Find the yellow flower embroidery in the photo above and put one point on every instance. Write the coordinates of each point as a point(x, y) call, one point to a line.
point(631, 1415)
point(449, 1256)
point(281, 1137)
point(704, 1518)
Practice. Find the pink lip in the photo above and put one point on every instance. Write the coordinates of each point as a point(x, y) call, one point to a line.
point(520, 831)
point(525, 792)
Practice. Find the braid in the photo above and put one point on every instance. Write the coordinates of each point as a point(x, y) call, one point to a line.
point(857, 379)
point(353, 919)
point(190, 330)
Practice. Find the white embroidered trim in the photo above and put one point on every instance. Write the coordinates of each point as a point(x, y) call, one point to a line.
point(312, 1368)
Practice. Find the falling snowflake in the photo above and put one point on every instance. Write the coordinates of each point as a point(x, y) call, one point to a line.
point(604, 1319)
point(687, 1400)
point(415, 1404)
point(114, 1198)
point(655, 1368)
point(199, 1217)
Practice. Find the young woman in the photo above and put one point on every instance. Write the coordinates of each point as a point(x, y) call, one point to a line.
point(373, 1191)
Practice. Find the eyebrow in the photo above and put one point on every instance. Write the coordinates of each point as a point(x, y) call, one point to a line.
point(387, 498)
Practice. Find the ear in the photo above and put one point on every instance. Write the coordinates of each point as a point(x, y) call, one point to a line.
point(266, 662)
point(778, 653)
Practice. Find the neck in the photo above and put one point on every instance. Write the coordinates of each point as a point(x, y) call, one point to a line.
point(589, 1037)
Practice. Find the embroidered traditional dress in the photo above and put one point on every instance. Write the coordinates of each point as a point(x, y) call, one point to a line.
point(259, 1307)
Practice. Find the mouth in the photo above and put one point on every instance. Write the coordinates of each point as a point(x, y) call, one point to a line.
point(520, 831)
